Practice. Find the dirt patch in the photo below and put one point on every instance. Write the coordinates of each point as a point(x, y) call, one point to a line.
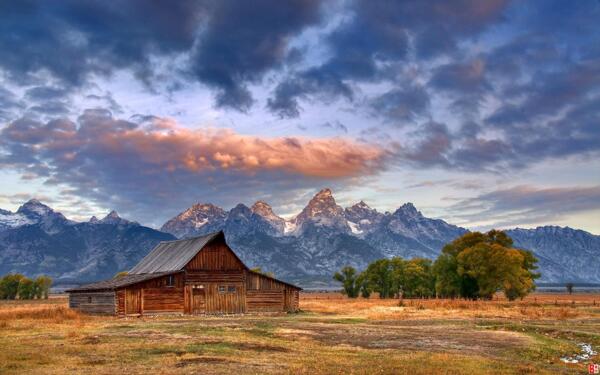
point(202, 360)
point(433, 338)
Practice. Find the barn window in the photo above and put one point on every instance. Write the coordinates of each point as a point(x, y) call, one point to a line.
point(222, 289)
point(171, 280)
point(89, 299)
point(231, 289)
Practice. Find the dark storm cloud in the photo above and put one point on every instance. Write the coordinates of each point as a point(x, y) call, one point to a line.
point(157, 163)
point(72, 39)
point(245, 39)
point(229, 43)
point(381, 33)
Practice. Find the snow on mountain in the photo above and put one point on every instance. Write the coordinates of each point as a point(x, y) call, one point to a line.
point(264, 217)
point(199, 219)
point(30, 213)
point(322, 211)
point(43, 241)
point(564, 254)
point(321, 239)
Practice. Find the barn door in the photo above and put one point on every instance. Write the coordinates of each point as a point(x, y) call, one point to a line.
point(198, 299)
point(225, 298)
point(133, 301)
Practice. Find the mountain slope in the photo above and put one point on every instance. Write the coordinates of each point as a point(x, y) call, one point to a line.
point(323, 237)
point(47, 243)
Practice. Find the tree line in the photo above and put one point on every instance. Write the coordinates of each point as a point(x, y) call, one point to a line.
point(15, 285)
point(474, 266)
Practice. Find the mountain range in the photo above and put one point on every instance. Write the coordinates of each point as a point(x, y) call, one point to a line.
point(305, 249)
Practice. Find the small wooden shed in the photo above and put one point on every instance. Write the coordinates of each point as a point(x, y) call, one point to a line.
point(200, 275)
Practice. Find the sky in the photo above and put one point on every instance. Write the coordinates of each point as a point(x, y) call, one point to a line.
point(483, 113)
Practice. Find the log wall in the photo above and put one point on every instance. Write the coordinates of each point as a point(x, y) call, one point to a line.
point(93, 302)
point(215, 256)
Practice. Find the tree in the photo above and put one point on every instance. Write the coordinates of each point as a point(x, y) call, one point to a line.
point(447, 281)
point(362, 283)
point(380, 277)
point(479, 265)
point(9, 285)
point(418, 279)
point(26, 288)
point(348, 277)
point(259, 270)
point(42, 286)
point(569, 287)
point(120, 274)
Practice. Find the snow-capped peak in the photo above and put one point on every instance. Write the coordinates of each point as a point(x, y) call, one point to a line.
point(263, 209)
point(408, 210)
point(322, 210)
point(93, 220)
point(114, 218)
point(34, 207)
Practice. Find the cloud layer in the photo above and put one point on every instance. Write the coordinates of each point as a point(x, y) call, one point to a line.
point(158, 163)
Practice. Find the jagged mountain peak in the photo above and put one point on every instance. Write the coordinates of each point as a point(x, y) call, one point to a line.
point(198, 219)
point(324, 194)
point(35, 207)
point(240, 209)
point(262, 208)
point(114, 218)
point(93, 220)
point(408, 210)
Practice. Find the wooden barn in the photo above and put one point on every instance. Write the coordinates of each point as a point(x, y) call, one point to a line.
point(199, 275)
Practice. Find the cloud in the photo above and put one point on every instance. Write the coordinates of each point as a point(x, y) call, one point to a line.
point(379, 34)
point(527, 204)
point(244, 40)
point(223, 44)
point(160, 164)
point(401, 105)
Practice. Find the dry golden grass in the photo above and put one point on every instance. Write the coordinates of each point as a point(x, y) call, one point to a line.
point(333, 334)
point(540, 306)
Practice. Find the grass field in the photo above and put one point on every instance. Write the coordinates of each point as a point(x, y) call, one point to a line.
point(332, 334)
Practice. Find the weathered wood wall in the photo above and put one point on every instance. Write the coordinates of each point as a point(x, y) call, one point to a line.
point(93, 302)
point(215, 256)
point(267, 294)
point(152, 297)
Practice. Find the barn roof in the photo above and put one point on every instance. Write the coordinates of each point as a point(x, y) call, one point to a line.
point(118, 282)
point(171, 256)
point(166, 258)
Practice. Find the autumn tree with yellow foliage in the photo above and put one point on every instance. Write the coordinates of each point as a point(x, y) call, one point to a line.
point(477, 265)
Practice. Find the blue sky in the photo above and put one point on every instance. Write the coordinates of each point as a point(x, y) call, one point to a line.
point(485, 114)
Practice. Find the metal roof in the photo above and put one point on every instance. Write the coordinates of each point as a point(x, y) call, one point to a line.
point(118, 282)
point(166, 258)
point(172, 256)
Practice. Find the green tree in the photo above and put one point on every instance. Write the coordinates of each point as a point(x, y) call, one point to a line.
point(418, 279)
point(42, 286)
point(478, 265)
point(26, 288)
point(362, 283)
point(9, 285)
point(447, 281)
point(381, 278)
point(348, 277)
